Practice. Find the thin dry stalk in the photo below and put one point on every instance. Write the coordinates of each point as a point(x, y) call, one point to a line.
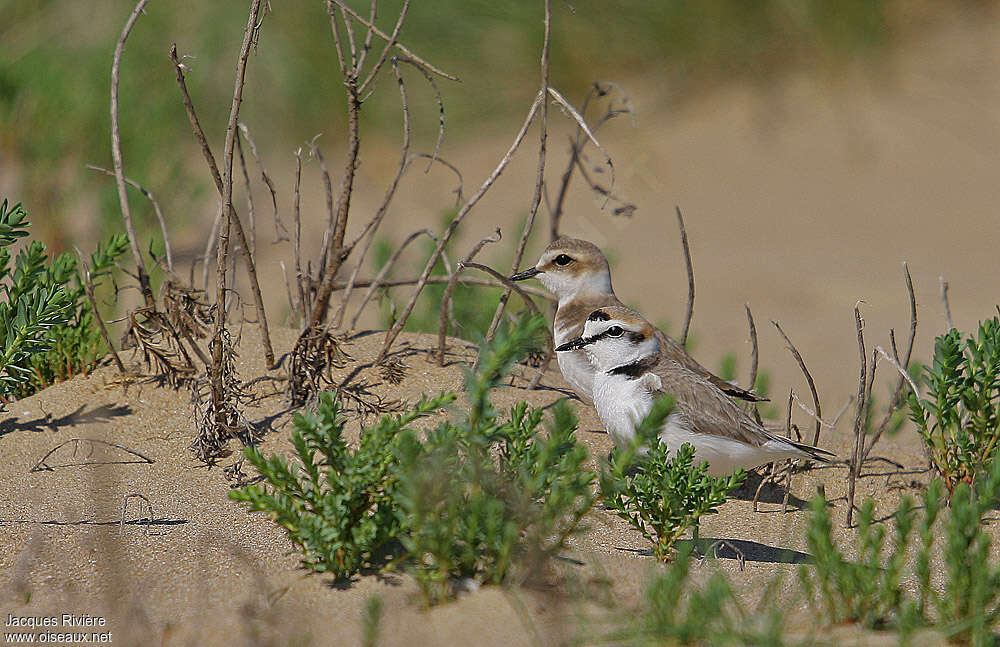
point(576, 145)
point(376, 220)
point(536, 198)
point(328, 192)
point(452, 281)
point(279, 227)
point(397, 327)
point(859, 416)
point(88, 286)
point(690, 275)
point(179, 69)
point(116, 157)
point(218, 379)
point(391, 42)
point(156, 209)
point(582, 123)
point(251, 211)
point(902, 371)
point(897, 395)
point(809, 380)
point(305, 306)
point(506, 282)
point(379, 279)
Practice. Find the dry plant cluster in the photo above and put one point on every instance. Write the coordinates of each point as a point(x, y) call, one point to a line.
point(170, 332)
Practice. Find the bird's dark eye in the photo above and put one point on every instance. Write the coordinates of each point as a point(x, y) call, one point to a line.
point(563, 259)
point(615, 331)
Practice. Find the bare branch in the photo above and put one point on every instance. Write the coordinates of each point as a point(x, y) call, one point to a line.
point(392, 41)
point(328, 192)
point(506, 283)
point(241, 236)
point(456, 221)
point(156, 209)
point(378, 280)
point(536, 198)
point(582, 123)
point(279, 227)
point(305, 306)
point(690, 275)
point(809, 380)
point(860, 406)
point(116, 157)
point(902, 371)
point(88, 286)
point(897, 393)
point(376, 220)
point(446, 298)
point(217, 378)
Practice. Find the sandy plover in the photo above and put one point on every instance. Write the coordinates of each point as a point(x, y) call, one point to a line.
point(577, 273)
point(631, 372)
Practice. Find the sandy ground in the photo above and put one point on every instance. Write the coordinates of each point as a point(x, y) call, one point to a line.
point(205, 571)
point(801, 199)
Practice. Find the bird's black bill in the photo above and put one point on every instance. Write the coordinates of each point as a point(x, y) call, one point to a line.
point(526, 274)
point(574, 344)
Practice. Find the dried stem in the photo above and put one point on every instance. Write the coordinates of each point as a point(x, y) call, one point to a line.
point(88, 286)
point(506, 282)
point(690, 275)
point(217, 378)
point(809, 380)
point(376, 220)
point(156, 209)
point(304, 304)
point(902, 371)
point(860, 406)
point(251, 211)
point(393, 333)
point(280, 233)
point(391, 40)
point(897, 393)
point(536, 198)
point(116, 157)
point(374, 284)
point(582, 123)
point(452, 280)
point(232, 215)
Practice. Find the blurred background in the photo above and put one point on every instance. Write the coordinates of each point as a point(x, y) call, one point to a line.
point(813, 145)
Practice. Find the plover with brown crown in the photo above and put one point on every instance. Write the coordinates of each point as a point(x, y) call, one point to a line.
point(577, 273)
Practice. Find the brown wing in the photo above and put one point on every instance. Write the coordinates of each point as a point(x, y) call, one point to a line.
point(705, 408)
point(672, 351)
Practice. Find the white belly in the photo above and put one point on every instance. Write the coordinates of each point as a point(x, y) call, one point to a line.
point(622, 404)
point(578, 373)
point(576, 369)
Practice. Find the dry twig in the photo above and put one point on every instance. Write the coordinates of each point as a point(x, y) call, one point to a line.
point(689, 312)
point(809, 380)
point(116, 157)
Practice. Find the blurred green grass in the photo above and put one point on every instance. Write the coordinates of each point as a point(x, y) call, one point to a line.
point(55, 61)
